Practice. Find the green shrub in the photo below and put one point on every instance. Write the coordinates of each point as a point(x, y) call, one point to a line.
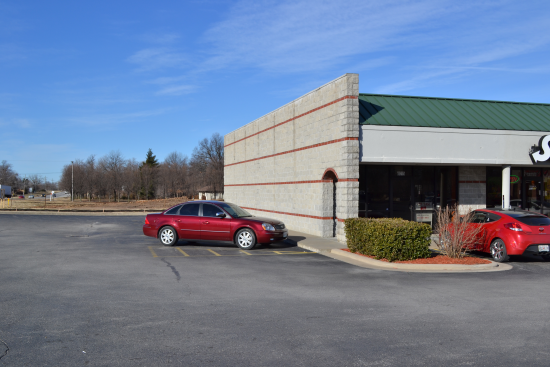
point(388, 238)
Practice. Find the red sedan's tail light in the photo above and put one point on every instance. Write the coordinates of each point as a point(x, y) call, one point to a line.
point(513, 227)
point(146, 220)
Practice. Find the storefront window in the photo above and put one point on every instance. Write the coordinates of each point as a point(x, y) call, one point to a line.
point(515, 188)
point(446, 184)
point(362, 191)
point(377, 191)
point(545, 207)
point(424, 190)
point(408, 192)
point(401, 171)
point(546, 179)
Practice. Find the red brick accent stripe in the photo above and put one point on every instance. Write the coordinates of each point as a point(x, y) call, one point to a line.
point(294, 118)
point(294, 214)
point(472, 181)
point(294, 182)
point(280, 183)
point(294, 150)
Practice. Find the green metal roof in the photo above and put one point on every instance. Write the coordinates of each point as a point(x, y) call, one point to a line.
point(388, 110)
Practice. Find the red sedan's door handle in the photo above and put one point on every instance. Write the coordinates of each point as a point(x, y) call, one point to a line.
point(207, 222)
point(177, 220)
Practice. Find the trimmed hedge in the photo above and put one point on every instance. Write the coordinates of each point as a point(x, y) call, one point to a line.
point(388, 238)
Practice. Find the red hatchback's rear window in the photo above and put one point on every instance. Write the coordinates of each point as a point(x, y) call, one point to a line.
point(531, 219)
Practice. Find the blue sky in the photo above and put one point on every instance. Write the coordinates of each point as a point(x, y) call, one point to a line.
point(81, 78)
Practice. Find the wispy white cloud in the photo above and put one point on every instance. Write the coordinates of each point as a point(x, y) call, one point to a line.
point(425, 41)
point(418, 80)
point(10, 52)
point(162, 38)
point(168, 80)
point(531, 70)
point(17, 123)
point(158, 58)
point(295, 36)
point(109, 120)
point(177, 90)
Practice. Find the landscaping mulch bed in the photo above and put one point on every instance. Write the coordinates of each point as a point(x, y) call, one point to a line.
point(435, 259)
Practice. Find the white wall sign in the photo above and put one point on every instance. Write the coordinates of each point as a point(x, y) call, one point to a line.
point(541, 153)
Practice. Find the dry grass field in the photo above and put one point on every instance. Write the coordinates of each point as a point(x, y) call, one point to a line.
point(65, 203)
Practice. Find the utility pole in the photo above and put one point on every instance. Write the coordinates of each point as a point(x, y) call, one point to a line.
point(72, 180)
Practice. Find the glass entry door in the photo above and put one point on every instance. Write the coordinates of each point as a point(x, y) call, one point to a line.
point(532, 189)
point(401, 203)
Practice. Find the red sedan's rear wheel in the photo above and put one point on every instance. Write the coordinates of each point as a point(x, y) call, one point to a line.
point(168, 236)
point(498, 251)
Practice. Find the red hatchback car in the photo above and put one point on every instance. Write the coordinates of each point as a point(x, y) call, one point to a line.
point(513, 232)
point(214, 221)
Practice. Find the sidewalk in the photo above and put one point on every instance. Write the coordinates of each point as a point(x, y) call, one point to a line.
point(332, 248)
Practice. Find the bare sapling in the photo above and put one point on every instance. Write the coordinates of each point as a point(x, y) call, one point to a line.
point(457, 234)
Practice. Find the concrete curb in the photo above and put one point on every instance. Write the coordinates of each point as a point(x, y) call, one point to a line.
point(422, 267)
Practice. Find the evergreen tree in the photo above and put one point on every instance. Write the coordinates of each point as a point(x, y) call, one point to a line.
point(151, 159)
point(148, 173)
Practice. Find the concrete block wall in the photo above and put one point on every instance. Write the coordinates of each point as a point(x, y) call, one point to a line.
point(274, 166)
point(472, 182)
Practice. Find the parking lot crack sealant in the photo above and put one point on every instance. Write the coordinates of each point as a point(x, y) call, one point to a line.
point(6, 351)
point(173, 268)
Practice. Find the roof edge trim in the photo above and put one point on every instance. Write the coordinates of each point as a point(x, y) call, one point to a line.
point(453, 99)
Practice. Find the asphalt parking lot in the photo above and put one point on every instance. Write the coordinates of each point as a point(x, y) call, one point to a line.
point(77, 290)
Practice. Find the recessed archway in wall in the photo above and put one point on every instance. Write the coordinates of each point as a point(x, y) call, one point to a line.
point(330, 175)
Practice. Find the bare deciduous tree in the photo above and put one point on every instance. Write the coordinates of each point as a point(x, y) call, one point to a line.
point(206, 166)
point(114, 176)
point(7, 175)
point(457, 235)
point(113, 165)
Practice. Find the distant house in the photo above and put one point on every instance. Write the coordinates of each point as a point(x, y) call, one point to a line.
point(207, 193)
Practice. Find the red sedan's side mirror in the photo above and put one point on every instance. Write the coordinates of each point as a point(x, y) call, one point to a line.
point(220, 215)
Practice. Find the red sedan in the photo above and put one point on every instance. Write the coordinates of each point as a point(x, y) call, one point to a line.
point(509, 232)
point(213, 220)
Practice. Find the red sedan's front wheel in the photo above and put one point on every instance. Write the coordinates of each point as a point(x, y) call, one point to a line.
point(498, 251)
point(246, 239)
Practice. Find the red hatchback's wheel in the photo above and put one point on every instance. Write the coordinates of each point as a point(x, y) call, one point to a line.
point(498, 251)
point(168, 236)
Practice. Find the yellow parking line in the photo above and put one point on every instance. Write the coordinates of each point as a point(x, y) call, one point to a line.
point(214, 252)
point(152, 252)
point(180, 250)
point(237, 253)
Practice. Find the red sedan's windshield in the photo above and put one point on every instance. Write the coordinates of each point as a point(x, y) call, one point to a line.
point(234, 210)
